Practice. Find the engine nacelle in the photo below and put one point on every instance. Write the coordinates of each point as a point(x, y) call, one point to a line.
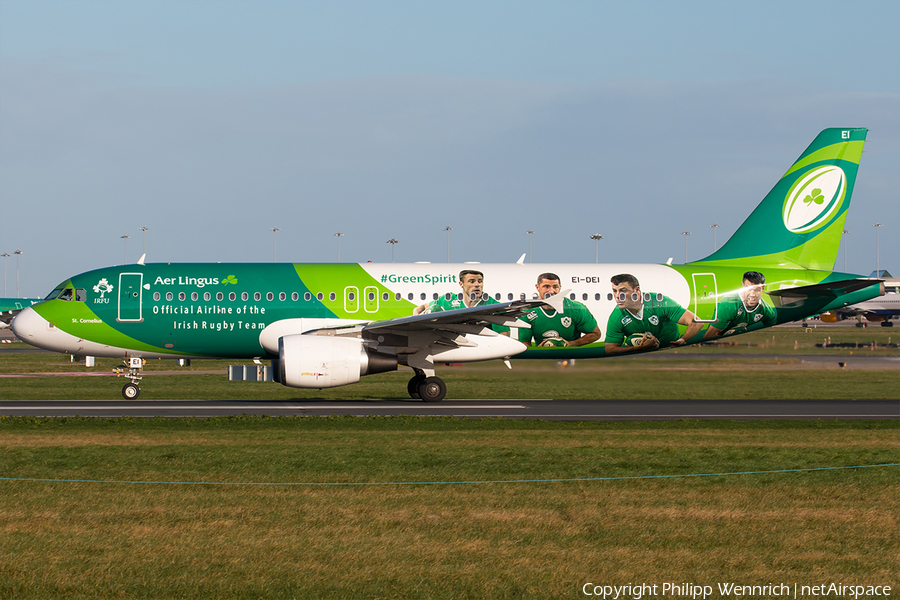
point(311, 361)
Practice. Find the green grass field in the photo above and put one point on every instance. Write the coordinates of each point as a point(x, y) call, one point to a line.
point(757, 365)
point(486, 537)
point(433, 508)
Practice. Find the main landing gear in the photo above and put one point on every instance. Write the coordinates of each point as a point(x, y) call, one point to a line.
point(132, 370)
point(429, 389)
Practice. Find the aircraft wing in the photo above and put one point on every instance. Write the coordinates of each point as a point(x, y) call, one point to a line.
point(472, 320)
point(444, 336)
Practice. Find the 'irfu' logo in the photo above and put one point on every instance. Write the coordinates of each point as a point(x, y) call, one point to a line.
point(103, 287)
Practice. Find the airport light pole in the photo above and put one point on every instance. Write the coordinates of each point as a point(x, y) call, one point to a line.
point(125, 238)
point(596, 237)
point(685, 234)
point(448, 229)
point(339, 235)
point(274, 231)
point(714, 226)
point(393, 242)
point(143, 231)
point(5, 256)
point(18, 253)
point(877, 226)
point(845, 250)
point(530, 233)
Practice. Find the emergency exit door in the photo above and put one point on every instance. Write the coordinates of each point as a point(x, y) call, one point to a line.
point(130, 292)
point(706, 297)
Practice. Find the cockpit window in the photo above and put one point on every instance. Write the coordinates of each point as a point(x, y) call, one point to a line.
point(52, 295)
point(80, 295)
point(66, 295)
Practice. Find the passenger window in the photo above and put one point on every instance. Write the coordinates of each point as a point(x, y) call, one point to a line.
point(156, 296)
point(423, 295)
point(584, 297)
point(659, 297)
point(245, 296)
point(436, 296)
point(411, 296)
point(497, 296)
point(447, 295)
point(370, 296)
point(195, 296)
point(307, 296)
point(219, 296)
point(351, 296)
point(509, 296)
point(332, 296)
point(270, 296)
point(168, 296)
point(295, 296)
point(572, 296)
point(398, 296)
point(80, 295)
point(609, 296)
point(385, 296)
point(181, 296)
point(320, 296)
point(207, 296)
point(257, 296)
point(282, 296)
point(597, 297)
point(232, 296)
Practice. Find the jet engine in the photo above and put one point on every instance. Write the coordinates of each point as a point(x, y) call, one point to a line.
point(311, 361)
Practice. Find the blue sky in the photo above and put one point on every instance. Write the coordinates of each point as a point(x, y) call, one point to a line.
point(211, 122)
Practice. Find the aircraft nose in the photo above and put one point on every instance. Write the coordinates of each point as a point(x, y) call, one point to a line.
point(27, 324)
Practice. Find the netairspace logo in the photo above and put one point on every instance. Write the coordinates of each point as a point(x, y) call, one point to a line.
point(814, 198)
point(729, 590)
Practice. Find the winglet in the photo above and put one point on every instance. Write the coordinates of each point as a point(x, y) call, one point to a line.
point(556, 301)
point(521, 260)
point(141, 259)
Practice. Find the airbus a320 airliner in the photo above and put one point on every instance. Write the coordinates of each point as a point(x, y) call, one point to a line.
point(325, 325)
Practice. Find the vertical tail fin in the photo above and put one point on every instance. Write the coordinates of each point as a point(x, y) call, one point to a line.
point(799, 223)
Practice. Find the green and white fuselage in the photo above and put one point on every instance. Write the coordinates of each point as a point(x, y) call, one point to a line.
point(222, 310)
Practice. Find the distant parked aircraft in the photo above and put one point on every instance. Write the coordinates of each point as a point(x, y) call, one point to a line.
point(10, 307)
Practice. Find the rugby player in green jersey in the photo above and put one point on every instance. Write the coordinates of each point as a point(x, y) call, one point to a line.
point(636, 325)
point(744, 312)
point(472, 284)
point(574, 326)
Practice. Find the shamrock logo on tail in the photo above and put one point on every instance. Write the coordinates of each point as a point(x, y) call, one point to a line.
point(814, 196)
point(230, 279)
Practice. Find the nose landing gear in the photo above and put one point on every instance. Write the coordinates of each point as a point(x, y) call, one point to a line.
point(132, 370)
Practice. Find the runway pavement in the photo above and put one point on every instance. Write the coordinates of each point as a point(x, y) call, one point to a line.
point(561, 410)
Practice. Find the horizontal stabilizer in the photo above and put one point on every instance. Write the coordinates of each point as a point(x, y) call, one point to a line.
point(802, 302)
